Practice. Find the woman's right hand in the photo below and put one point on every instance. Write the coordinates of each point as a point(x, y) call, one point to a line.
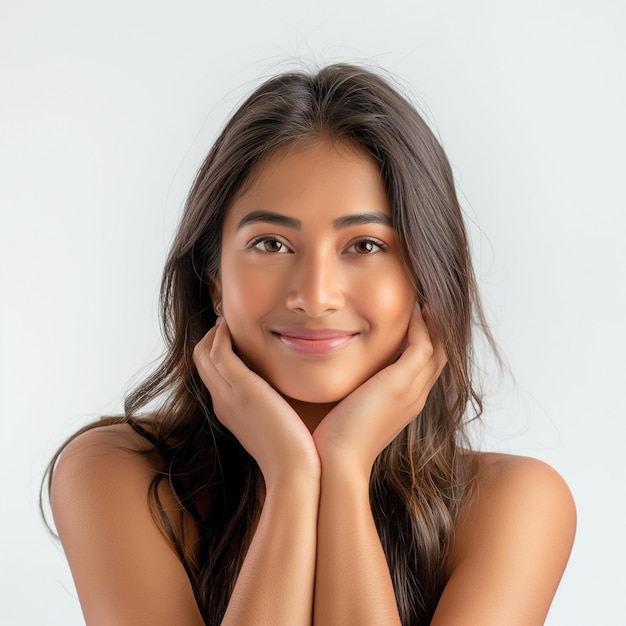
point(263, 421)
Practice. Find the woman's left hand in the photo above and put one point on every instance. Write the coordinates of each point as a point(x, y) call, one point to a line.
point(368, 419)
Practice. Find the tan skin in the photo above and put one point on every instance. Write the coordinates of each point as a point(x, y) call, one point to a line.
point(326, 402)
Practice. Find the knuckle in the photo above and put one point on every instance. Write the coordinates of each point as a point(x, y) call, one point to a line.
point(240, 397)
point(200, 349)
point(197, 352)
point(396, 387)
point(215, 357)
point(426, 350)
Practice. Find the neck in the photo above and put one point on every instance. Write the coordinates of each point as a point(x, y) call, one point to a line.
point(311, 413)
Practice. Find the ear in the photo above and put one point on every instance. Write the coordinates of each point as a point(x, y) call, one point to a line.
point(215, 289)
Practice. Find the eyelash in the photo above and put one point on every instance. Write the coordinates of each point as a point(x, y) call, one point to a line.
point(256, 243)
point(381, 247)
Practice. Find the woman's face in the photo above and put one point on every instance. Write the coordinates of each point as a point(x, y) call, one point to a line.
point(312, 284)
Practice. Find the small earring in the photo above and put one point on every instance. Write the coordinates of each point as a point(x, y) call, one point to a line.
point(218, 309)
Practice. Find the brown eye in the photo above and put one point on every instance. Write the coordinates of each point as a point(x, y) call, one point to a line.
point(366, 246)
point(268, 244)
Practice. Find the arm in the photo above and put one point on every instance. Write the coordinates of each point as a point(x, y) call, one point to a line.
point(352, 583)
point(125, 570)
point(512, 544)
point(126, 573)
point(275, 584)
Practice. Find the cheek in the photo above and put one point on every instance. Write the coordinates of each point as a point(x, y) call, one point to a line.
point(243, 297)
point(243, 289)
point(248, 296)
point(392, 299)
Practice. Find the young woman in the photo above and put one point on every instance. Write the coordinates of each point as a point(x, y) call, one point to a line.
point(305, 462)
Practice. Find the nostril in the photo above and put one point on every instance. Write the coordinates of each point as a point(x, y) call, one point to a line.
point(316, 286)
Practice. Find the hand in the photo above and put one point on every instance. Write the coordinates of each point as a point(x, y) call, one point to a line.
point(366, 421)
point(263, 422)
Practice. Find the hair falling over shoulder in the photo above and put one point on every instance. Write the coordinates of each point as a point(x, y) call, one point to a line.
point(421, 480)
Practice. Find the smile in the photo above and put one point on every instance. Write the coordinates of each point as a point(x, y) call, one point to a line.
point(315, 342)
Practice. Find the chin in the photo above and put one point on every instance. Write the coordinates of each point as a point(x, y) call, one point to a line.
point(314, 398)
point(310, 392)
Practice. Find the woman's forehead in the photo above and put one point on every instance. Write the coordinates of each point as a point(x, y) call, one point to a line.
point(312, 180)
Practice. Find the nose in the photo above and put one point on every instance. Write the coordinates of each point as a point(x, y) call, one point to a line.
point(315, 288)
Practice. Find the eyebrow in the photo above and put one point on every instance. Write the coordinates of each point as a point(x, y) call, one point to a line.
point(362, 218)
point(268, 217)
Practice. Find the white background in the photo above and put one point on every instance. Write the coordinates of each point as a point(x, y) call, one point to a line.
point(106, 110)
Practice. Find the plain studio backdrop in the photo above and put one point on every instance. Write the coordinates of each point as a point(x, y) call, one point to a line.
point(106, 111)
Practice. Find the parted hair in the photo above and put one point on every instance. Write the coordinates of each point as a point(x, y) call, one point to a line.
point(420, 482)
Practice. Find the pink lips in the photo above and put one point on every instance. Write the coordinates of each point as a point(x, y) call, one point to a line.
point(315, 342)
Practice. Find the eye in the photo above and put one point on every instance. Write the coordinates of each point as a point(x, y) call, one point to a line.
point(366, 246)
point(270, 245)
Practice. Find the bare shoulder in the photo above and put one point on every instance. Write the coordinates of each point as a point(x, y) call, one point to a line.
point(124, 568)
point(107, 465)
point(512, 543)
point(101, 459)
point(508, 481)
point(516, 497)
point(105, 445)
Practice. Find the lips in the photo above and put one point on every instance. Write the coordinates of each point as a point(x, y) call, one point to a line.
point(315, 342)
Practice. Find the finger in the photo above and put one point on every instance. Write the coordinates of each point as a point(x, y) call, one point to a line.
point(203, 361)
point(421, 362)
point(209, 356)
point(439, 353)
point(231, 368)
point(419, 347)
point(436, 360)
point(223, 357)
point(214, 350)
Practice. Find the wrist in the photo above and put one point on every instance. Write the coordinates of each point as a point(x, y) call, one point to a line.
point(343, 456)
point(296, 466)
point(300, 485)
point(342, 463)
point(345, 473)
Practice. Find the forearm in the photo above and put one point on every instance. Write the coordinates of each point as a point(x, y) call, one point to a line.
point(275, 584)
point(352, 581)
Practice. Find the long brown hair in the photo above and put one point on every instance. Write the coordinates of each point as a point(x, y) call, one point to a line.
point(421, 480)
